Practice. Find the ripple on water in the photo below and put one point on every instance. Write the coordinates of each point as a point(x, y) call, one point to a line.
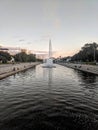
point(46, 99)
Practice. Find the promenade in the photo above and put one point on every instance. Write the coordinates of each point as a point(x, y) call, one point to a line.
point(10, 69)
point(82, 67)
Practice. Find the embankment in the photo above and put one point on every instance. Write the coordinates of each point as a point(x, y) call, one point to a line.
point(10, 69)
point(82, 67)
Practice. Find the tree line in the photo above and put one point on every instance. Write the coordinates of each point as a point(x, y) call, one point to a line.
point(23, 57)
point(4, 57)
point(88, 53)
point(20, 57)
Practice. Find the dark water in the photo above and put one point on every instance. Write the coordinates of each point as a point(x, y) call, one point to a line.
point(49, 99)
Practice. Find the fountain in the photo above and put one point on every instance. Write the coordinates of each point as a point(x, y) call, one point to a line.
point(49, 61)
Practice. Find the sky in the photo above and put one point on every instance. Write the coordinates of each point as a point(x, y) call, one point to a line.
point(31, 23)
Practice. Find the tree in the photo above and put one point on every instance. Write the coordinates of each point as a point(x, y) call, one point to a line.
point(23, 57)
point(88, 53)
point(31, 58)
point(5, 56)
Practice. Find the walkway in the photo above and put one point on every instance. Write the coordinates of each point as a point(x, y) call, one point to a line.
point(86, 68)
point(10, 69)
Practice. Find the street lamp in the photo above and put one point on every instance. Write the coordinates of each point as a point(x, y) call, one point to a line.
point(95, 53)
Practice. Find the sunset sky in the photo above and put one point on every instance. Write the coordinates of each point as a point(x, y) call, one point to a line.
point(31, 23)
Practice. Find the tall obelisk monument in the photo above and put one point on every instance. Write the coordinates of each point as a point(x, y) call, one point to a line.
point(50, 49)
point(49, 60)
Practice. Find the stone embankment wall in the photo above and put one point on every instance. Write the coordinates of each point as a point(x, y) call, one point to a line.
point(10, 69)
point(82, 67)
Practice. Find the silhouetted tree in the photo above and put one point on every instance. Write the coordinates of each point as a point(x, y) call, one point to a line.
point(4, 57)
point(31, 58)
point(23, 57)
point(88, 52)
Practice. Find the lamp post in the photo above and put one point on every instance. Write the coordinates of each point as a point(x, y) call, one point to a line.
point(95, 48)
point(94, 53)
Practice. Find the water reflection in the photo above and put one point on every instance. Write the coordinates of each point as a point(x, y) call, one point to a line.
point(87, 77)
point(88, 83)
point(49, 98)
point(47, 75)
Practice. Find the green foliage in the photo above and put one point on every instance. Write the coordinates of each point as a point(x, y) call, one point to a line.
point(88, 53)
point(4, 56)
point(31, 58)
point(23, 57)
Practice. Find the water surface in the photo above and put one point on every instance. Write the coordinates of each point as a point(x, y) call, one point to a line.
point(49, 98)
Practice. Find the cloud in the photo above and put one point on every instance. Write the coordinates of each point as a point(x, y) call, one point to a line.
point(21, 40)
point(29, 42)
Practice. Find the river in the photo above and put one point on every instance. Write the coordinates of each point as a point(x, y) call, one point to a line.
point(58, 98)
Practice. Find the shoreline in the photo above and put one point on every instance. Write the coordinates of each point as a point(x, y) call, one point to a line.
point(11, 69)
point(93, 69)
